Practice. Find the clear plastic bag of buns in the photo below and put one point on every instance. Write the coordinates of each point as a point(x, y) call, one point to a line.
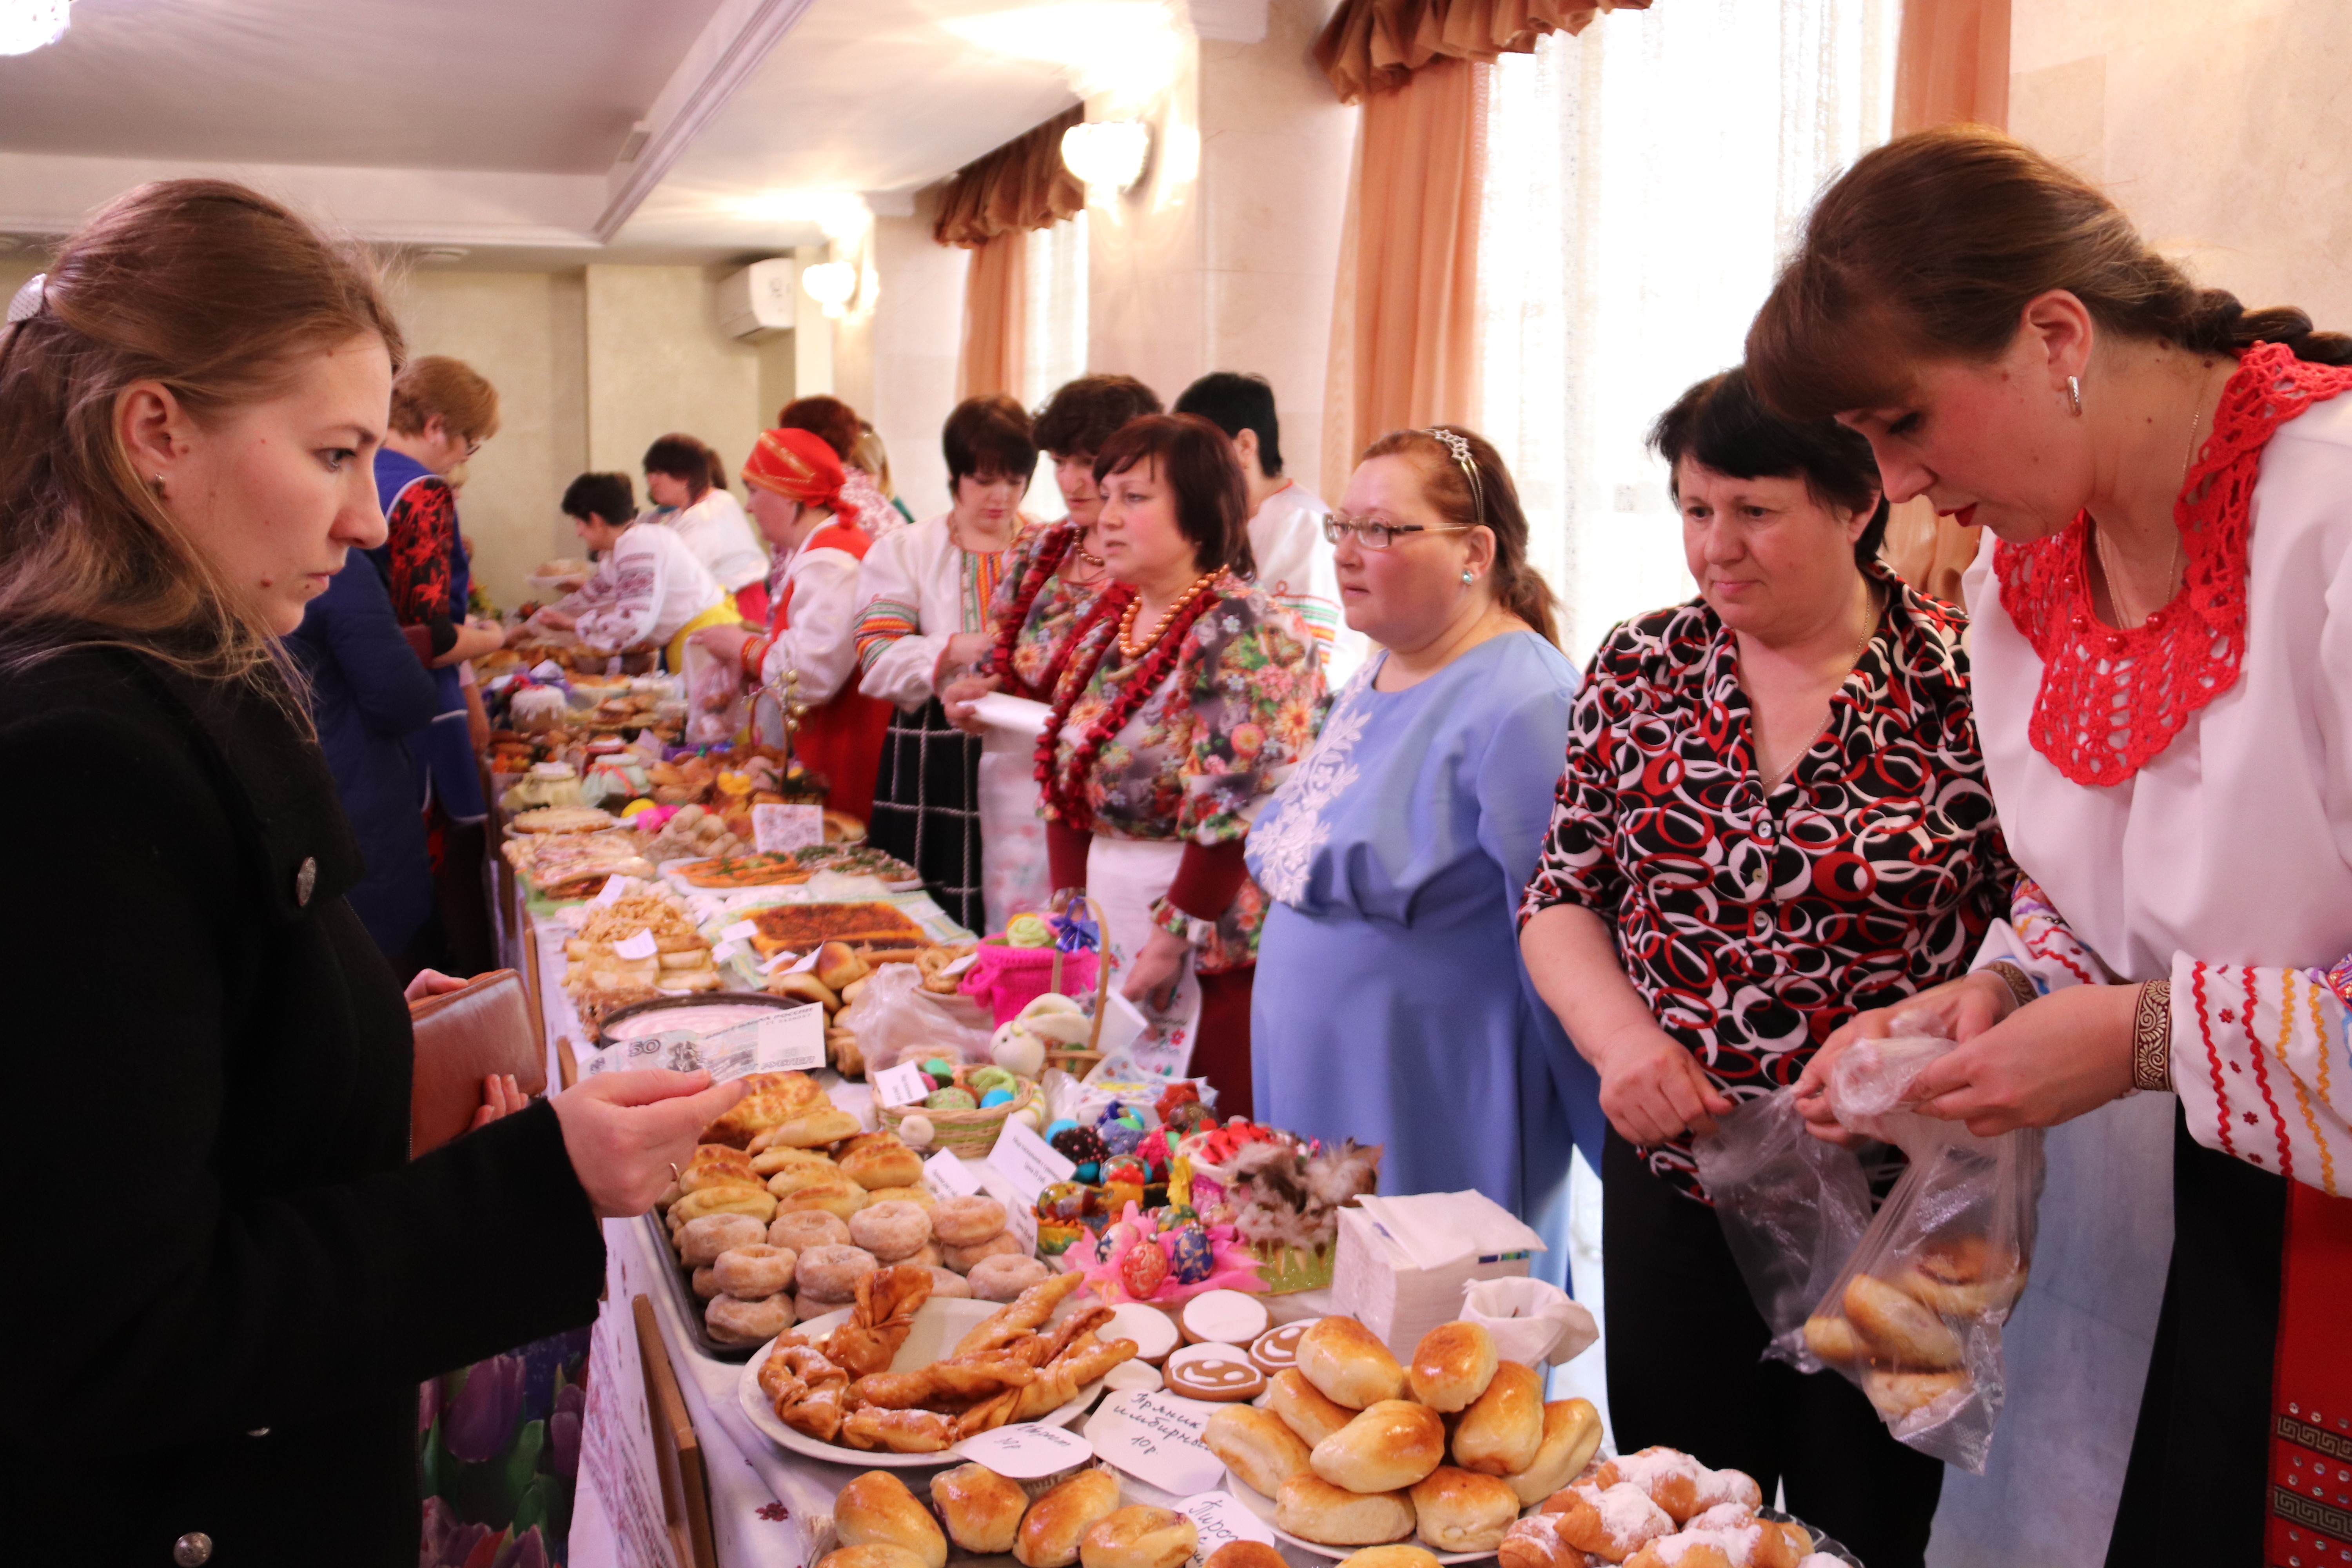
point(1914, 1317)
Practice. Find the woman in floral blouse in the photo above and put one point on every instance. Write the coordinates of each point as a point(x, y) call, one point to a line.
point(1773, 815)
point(1187, 699)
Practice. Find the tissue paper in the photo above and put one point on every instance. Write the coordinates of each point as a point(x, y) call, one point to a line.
point(1529, 1320)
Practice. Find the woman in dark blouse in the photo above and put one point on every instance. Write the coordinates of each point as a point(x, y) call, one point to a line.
point(1773, 815)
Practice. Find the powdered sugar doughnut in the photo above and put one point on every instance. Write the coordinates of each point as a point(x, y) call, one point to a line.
point(1001, 1244)
point(1001, 1277)
point(963, 1222)
point(947, 1282)
point(832, 1272)
point(890, 1230)
point(748, 1322)
point(706, 1282)
point(700, 1241)
point(755, 1273)
point(802, 1229)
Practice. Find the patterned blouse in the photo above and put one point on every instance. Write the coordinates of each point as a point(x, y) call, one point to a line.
point(1052, 615)
point(1752, 926)
point(1202, 755)
point(422, 532)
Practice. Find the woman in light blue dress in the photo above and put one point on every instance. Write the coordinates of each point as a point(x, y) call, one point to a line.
point(1392, 1007)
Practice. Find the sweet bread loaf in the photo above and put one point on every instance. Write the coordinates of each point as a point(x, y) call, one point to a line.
point(1256, 1445)
point(1387, 1448)
point(1140, 1536)
point(876, 1507)
point(1311, 1508)
point(981, 1509)
point(1896, 1326)
point(1503, 1428)
point(1303, 1407)
point(1456, 1509)
point(1452, 1366)
point(1057, 1523)
point(1572, 1433)
point(1347, 1361)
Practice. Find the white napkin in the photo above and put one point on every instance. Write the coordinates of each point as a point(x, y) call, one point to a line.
point(1018, 714)
point(1531, 1321)
point(1436, 1229)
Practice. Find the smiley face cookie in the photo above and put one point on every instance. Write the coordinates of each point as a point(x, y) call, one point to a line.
point(1213, 1372)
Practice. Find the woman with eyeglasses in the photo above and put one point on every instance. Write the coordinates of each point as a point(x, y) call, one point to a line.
point(1391, 1006)
point(1773, 815)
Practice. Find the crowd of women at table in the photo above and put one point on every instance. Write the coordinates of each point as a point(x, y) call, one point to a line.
point(1310, 762)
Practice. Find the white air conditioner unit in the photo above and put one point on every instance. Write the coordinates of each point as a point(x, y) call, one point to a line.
point(759, 300)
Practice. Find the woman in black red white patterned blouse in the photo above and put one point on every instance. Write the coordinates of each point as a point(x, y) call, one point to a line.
point(1773, 814)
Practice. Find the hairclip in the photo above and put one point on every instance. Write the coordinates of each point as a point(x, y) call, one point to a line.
point(1452, 442)
point(30, 301)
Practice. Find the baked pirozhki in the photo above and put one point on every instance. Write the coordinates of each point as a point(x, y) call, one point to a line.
point(1898, 1327)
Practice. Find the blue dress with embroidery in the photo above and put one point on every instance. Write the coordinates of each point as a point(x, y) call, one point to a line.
point(1390, 1004)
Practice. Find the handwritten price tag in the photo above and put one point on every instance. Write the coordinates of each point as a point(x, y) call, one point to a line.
point(1156, 1438)
point(950, 1178)
point(1027, 1451)
point(638, 947)
point(741, 931)
point(1028, 1161)
point(776, 829)
point(1221, 1520)
point(901, 1085)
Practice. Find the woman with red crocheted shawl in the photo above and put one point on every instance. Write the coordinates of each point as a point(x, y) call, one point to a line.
point(2163, 671)
point(1187, 699)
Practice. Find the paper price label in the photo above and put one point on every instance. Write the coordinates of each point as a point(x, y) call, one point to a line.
point(1221, 1520)
point(792, 1041)
point(1156, 1438)
point(1021, 1225)
point(635, 948)
point(950, 1178)
point(741, 931)
point(789, 964)
point(1027, 1451)
point(901, 1085)
point(777, 830)
point(1028, 1161)
point(961, 964)
point(725, 951)
point(610, 893)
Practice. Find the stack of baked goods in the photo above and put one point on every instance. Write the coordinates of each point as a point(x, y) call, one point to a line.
point(562, 819)
point(879, 932)
point(1078, 1521)
point(1904, 1339)
point(635, 948)
point(972, 1235)
point(1358, 1450)
point(1014, 1366)
point(574, 864)
point(1658, 1509)
point(832, 982)
point(689, 833)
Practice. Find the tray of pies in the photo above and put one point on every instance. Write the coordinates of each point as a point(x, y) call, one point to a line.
point(903, 1377)
point(876, 929)
point(574, 864)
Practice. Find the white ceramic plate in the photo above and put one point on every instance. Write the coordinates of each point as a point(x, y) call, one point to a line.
point(939, 1323)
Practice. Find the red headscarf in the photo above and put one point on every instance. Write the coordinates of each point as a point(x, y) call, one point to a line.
point(798, 465)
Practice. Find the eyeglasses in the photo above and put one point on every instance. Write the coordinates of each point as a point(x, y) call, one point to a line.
point(1374, 534)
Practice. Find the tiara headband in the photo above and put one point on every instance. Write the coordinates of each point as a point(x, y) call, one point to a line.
point(1452, 442)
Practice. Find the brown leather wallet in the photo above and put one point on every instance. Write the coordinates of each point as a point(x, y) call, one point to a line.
point(462, 1037)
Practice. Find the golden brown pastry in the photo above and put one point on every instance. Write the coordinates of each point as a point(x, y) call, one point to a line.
point(1456, 1509)
point(877, 1554)
point(1965, 1277)
point(1389, 1447)
point(1897, 1327)
point(1898, 1394)
point(1832, 1338)
point(1612, 1521)
point(876, 1507)
point(1347, 1361)
point(982, 1509)
point(1314, 1510)
point(1140, 1536)
point(838, 1197)
point(754, 1200)
point(717, 1165)
point(783, 1156)
point(1755, 1543)
point(880, 1160)
point(815, 1129)
point(1390, 1557)
point(887, 1300)
point(1503, 1427)
point(1256, 1445)
point(1452, 1366)
point(735, 1323)
point(1245, 1554)
point(899, 1431)
point(837, 964)
point(1057, 1522)
point(1303, 1406)
point(1572, 1433)
point(1021, 1315)
point(792, 1178)
point(805, 987)
point(1539, 1541)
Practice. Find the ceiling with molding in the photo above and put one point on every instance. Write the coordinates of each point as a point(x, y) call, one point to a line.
point(500, 127)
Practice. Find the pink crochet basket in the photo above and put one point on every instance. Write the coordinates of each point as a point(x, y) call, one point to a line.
point(1007, 979)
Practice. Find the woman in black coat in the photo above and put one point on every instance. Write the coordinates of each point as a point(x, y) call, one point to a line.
point(227, 1276)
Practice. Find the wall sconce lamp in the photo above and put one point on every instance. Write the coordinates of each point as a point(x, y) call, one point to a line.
point(1109, 154)
point(831, 284)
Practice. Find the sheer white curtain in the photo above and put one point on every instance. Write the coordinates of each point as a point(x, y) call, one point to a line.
point(1054, 348)
point(1645, 179)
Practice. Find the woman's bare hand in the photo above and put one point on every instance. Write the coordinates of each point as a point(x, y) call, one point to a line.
point(501, 1096)
point(1653, 1089)
point(624, 1130)
point(432, 982)
point(2049, 1061)
point(1959, 1010)
point(1158, 969)
point(960, 694)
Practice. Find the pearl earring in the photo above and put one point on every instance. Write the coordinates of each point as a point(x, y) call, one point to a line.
point(1468, 575)
point(2074, 395)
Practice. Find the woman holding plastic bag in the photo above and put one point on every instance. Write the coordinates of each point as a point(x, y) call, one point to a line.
point(1773, 813)
point(2166, 693)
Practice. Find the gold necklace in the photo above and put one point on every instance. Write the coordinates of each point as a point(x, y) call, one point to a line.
point(1131, 651)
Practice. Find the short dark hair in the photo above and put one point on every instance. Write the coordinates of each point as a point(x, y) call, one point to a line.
point(988, 436)
point(681, 456)
point(1721, 423)
point(1197, 460)
point(607, 496)
point(829, 419)
point(1082, 414)
point(1235, 401)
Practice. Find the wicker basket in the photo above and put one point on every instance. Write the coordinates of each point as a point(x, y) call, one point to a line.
point(1072, 1059)
point(969, 1133)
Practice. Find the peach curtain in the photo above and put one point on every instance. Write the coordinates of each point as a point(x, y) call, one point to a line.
point(990, 209)
point(1952, 64)
point(1370, 46)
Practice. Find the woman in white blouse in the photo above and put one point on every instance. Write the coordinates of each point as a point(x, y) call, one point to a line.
point(927, 590)
point(648, 590)
point(2163, 666)
point(685, 480)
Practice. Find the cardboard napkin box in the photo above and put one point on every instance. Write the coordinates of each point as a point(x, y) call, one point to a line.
point(1377, 1280)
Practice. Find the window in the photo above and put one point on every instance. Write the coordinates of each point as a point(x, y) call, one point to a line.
point(1645, 178)
point(1054, 336)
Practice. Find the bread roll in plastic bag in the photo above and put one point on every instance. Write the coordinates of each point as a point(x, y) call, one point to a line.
point(1916, 1315)
point(716, 707)
point(896, 1020)
point(1792, 1209)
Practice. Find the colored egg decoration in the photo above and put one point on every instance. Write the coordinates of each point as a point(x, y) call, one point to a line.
point(981, 1080)
point(1143, 1270)
point(1121, 1138)
point(1191, 1257)
point(1065, 1201)
point(950, 1100)
point(1124, 1169)
point(938, 1067)
point(1055, 1129)
point(1080, 1146)
point(1176, 1217)
point(1090, 1173)
point(995, 1096)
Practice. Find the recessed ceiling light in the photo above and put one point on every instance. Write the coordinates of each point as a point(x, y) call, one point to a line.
point(28, 24)
point(441, 255)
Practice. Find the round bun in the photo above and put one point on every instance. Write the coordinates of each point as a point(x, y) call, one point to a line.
point(1303, 1406)
point(831, 1273)
point(982, 1509)
point(1056, 1522)
point(961, 1222)
point(1452, 1366)
point(881, 1160)
point(890, 1229)
point(700, 1241)
point(1256, 1445)
point(736, 1322)
point(1140, 1536)
point(1572, 1436)
point(1245, 1554)
point(1898, 1328)
point(1314, 1510)
point(1461, 1510)
point(876, 1509)
point(835, 1195)
point(1349, 1364)
point(800, 1229)
point(1391, 1445)
point(1503, 1429)
point(749, 1273)
point(1006, 1276)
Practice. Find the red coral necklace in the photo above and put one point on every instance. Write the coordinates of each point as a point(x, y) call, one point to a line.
point(1149, 664)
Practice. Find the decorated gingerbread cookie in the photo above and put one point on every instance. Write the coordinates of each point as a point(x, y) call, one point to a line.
point(1213, 1372)
point(1278, 1348)
point(1225, 1318)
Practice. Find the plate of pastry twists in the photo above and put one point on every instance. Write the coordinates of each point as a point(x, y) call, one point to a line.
point(902, 1378)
